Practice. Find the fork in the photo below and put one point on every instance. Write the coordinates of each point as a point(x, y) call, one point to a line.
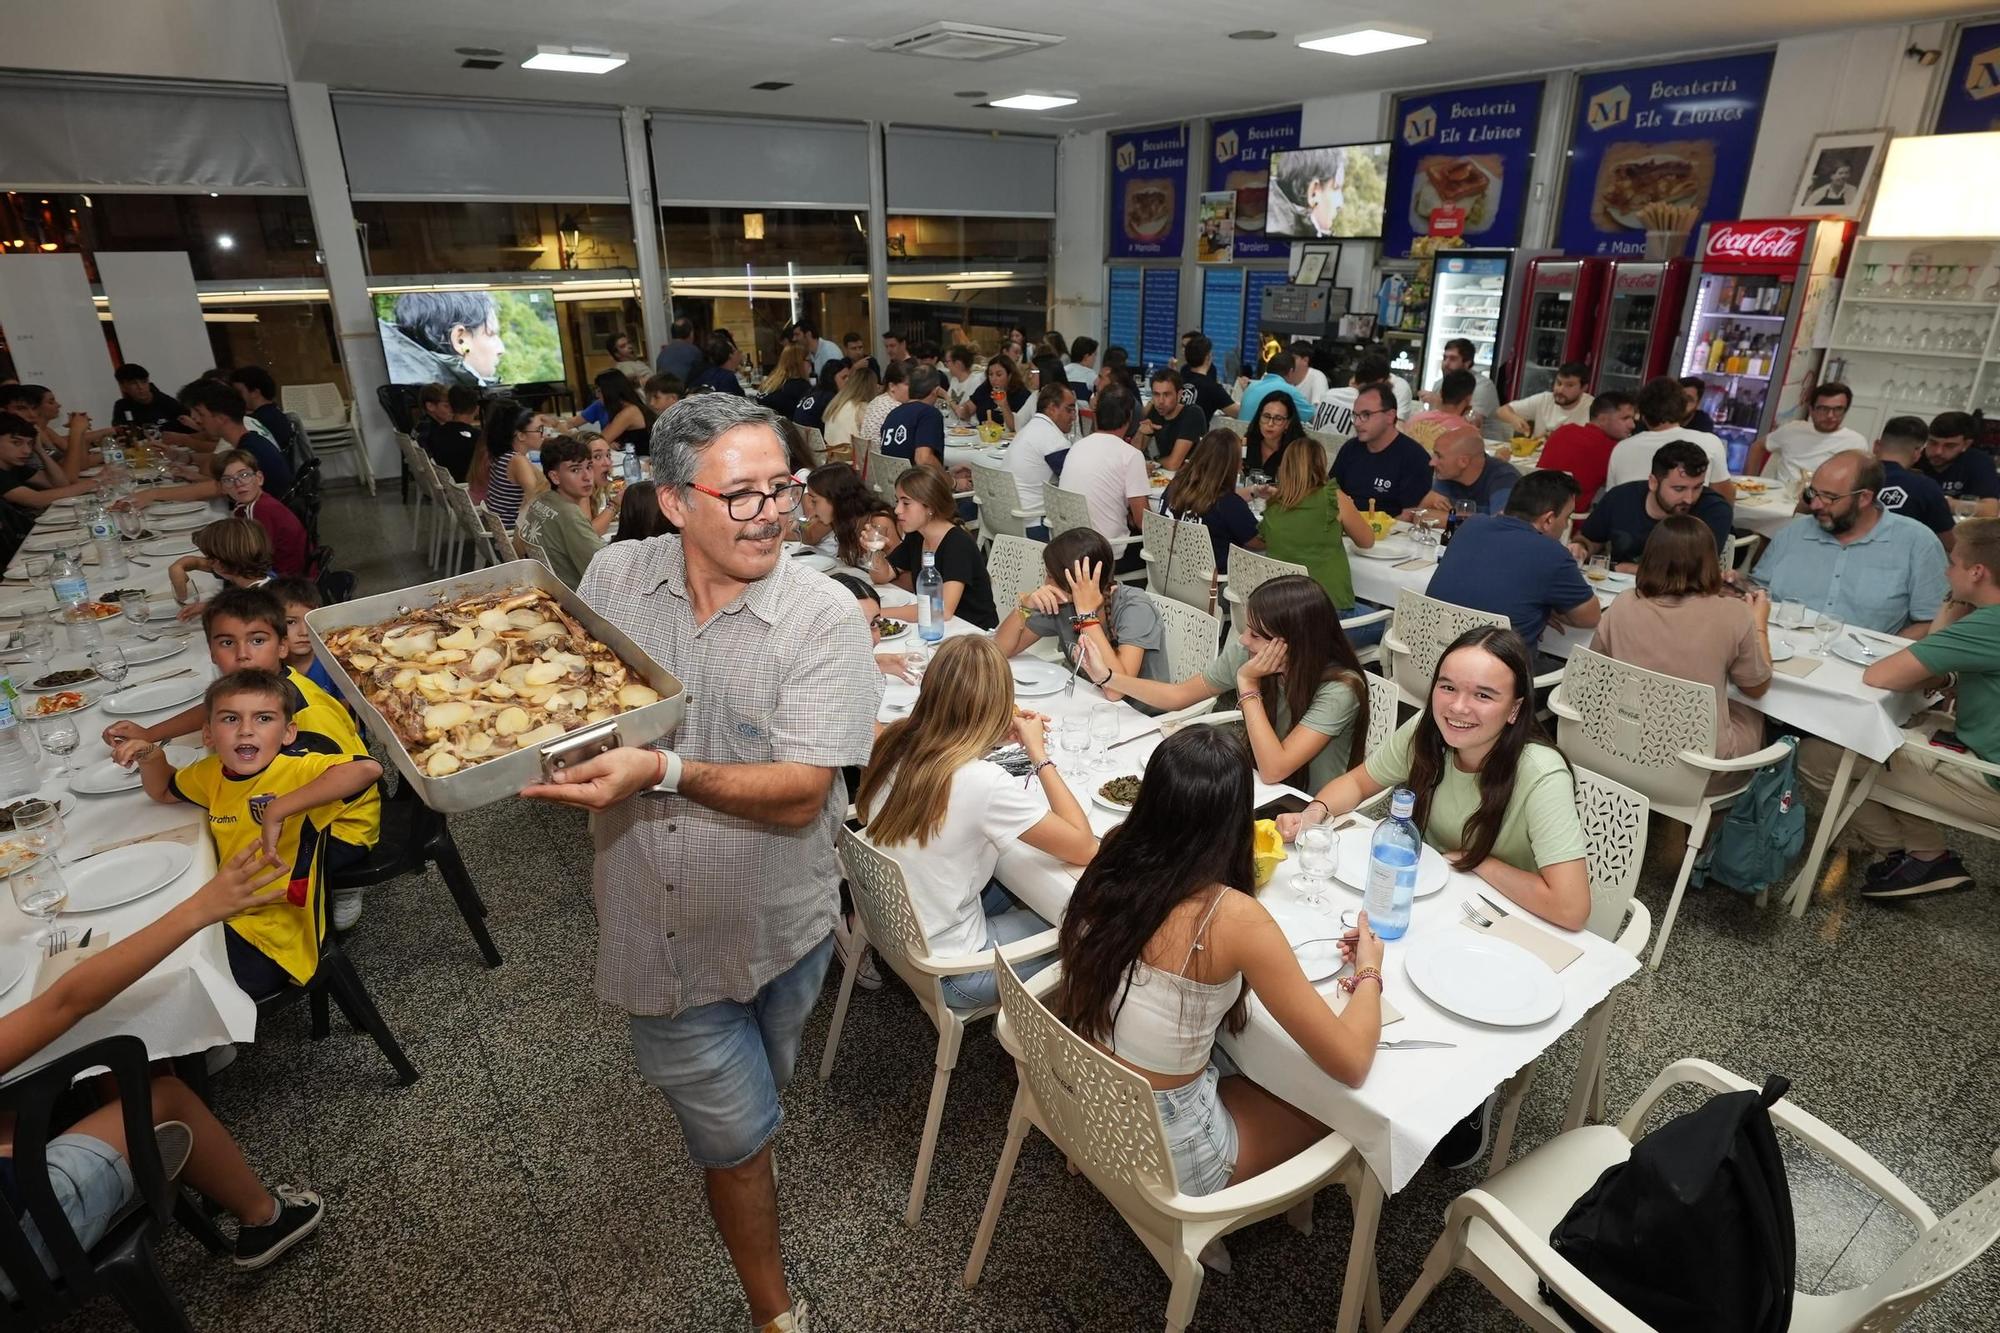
point(1473, 915)
point(58, 940)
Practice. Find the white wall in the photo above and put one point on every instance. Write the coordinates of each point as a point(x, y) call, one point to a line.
point(1076, 267)
point(231, 40)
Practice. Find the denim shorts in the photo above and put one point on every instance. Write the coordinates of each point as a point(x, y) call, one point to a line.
point(1201, 1133)
point(92, 1182)
point(723, 1065)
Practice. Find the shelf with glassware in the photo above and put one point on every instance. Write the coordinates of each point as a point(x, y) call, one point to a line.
point(1918, 323)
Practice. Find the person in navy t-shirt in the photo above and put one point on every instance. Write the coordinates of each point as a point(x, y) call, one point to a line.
point(1962, 469)
point(915, 430)
point(1381, 463)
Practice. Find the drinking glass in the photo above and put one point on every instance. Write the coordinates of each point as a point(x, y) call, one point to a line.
point(1073, 736)
point(38, 570)
point(1789, 615)
point(108, 662)
point(40, 893)
point(873, 540)
point(131, 522)
point(1315, 847)
point(1105, 723)
point(60, 736)
point(39, 825)
point(916, 659)
point(1825, 629)
point(138, 610)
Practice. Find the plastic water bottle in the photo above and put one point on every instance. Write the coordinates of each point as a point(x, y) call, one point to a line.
point(1392, 867)
point(110, 551)
point(17, 765)
point(628, 463)
point(930, 600)
point(72, 590)
point(114, 453)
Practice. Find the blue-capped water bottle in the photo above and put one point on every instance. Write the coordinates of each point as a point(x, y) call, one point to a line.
point(1392, 867)
point(930, 600)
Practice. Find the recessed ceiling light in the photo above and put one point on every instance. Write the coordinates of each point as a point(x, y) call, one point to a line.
point(1364, 39)
point(1252, 35)
point(1033, 102)
point(971, 92)
point(575, 59)
point(225, 242)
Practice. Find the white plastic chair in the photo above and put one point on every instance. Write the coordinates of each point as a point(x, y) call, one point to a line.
point(1102, 1115)
point(887, 919)
point(1654, 733)
point(998, 496)
point(1190, 575)
point(1156, 543)
point(1014, 566)
point(1251, 570)
point(533, 550)
point(497, 535)
point(328, 424)
point(1420, 629)
point(815, 444)
point(1382, 701)
point(1192, 637)
point(1742, 552)
point(468, 531)
point(1499, 1232)
point(416, 462)
point(884, 471)
point(1068, 509)
point(1237, 424)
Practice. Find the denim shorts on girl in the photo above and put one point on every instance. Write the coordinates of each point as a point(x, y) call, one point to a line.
point(92, 1183)
point(1201, 1134)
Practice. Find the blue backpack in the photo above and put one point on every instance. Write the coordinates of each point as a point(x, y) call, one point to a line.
point(1764, 830)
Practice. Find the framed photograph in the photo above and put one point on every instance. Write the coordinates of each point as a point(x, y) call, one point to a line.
point(1215, 239)
point(1840, 173)
point(1317, 263)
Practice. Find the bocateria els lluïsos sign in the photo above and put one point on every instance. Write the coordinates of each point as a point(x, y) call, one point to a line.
point(1663, 142)
point(1460, 165)
point(1239, 161)
point(1148, 191)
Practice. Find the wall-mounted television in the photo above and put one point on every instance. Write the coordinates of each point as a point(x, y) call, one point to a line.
point(478, 338)
point(1335, 191)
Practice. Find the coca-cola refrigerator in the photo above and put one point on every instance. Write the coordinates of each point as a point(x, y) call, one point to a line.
point(1558, 309)
point(1468, 300)
point(1754, 305)
point(1637, 322)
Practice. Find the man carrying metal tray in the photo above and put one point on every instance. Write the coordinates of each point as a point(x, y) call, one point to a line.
point(716, 878)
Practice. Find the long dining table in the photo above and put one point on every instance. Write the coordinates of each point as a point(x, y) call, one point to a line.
point(1411, 1097)
point(188, 1002)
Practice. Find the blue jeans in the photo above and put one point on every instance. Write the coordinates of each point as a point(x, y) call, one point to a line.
point(1037, 532)
point(722, 1066)
point(1006, 922)
point(1368, 635)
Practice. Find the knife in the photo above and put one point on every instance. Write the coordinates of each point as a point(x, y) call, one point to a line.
point(1150, 729)
point(1415, 1044)
point(154, 680)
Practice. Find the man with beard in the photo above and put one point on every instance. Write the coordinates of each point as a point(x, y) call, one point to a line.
point(1565, 404)
point(1848, 557)
point(1965, 473)
point(716, 881)
point(1624, 516)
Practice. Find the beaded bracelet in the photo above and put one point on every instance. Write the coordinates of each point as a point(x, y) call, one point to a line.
point(1082, 623)
point(1348, 984)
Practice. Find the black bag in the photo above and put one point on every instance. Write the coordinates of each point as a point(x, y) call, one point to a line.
point(1693, 1232)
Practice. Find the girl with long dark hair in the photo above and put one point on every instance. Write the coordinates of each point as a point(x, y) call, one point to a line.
point(509, 480)
point(639, 514)
point(1159, 943)
point(1205, 489)
point(1004, 393)
point(628, 419)
point(927, 516)
point(1272, 432)
point(1492, 793)
point(1297, 680)
point(826, 489)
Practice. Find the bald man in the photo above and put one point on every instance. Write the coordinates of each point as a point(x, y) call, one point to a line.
point(1849, 557)
point(1465, 471)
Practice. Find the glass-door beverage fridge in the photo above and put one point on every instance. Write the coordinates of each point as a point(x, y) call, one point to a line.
point(1753, 306)
point(1468, 300)
point(1558, 309)
point(1638, 321)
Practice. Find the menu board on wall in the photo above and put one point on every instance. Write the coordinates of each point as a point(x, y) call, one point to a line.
point(1463, 156)
point(1122, 311)
point(1222, 311)
point(1671, 136)
point(1971, 102)
point(1239, 160)
point(1159, 339)
point(1148, 192)
point(1255, 281)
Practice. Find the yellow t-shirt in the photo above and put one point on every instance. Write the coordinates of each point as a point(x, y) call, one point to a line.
point(287, 931)
point(325, 726)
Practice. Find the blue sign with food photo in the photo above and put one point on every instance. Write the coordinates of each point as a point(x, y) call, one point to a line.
point(1148, 184)
point(1462, 159)
point(1239, 161)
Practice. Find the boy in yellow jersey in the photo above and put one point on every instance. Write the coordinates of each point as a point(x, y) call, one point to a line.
point(255, 788)
point(246, 631)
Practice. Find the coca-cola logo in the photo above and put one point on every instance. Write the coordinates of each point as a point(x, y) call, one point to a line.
point(1774, 241)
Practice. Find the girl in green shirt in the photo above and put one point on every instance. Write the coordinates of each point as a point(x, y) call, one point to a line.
point(1491, 793)
point(1304, 522)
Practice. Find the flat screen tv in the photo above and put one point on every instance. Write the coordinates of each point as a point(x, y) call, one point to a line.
point(1336, 191)
point(479, 338)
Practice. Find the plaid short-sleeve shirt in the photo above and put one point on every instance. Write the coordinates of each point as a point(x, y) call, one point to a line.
point(696, 906)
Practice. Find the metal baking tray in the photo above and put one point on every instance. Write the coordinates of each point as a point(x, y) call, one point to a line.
point(483, 784)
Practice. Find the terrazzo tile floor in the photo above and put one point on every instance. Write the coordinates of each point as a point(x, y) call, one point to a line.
point(530, 1181)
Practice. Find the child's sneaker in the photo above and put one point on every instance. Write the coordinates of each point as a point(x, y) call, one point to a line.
point(346, 908)
point(299, 1214)
point(794, 1320)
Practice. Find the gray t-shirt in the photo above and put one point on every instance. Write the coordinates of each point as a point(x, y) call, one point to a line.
point(1129, 617)
point(1331, 713)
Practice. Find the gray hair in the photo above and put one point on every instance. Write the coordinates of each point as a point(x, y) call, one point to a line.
point(684, 432)
point(924, 381)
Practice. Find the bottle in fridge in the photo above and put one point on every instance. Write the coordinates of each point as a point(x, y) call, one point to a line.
point(1468, 300)
point(1559, 299)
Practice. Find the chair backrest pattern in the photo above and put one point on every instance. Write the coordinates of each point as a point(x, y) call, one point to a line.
point(1426, 628)
point(1096, 1110)
point(883, 899)
point(1192, 636)
point(1614, 835)
point(1382, 701)
point(1644, 718)
point(998, 497)
point(1156, 540)
point(1013, 566)
point(1954, 1242)
point(1250, 570)
point(1065, 510)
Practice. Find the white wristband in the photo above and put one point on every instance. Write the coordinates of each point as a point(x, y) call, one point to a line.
point(670, 780)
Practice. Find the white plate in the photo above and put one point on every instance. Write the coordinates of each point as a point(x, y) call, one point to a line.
point(1863, 652)
point(154, 698)
point(1097, 792)
point(166, 546)
point(1782, 651)
point(178, 507)
point(1314, 937)
point(891, 635)
point(814, 560)
point(1388, 548)
point(1351, 863)
point(104, 778)
point(56, 689)
point(124, 874)
point(15, 960)
point(138, 652)
point(32, 604)
point(43, 542)
point(181, 522)
point(1035, 679)
point(1614, 581)
point(899, 697)
point(1482, 979)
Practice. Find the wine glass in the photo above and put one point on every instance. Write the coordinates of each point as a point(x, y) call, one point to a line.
point(40, 893)
point(39, 825)
point(131, 522)
point(1315, 847)
point(1105, 724)
point(1826, 628)
point(108, 662)
point(1073, 736)
point(873, 540)
point(60, 736)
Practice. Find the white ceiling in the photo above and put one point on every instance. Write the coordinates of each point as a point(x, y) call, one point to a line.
point(1129, 61)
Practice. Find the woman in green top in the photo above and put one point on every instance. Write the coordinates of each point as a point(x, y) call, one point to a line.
point(1291, 647)
point(1303, 524)
point(1491, 793)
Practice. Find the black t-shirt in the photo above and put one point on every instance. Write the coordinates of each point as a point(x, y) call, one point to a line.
point(717, 380)
point(786, 396)
point(162, 411)
point(1205, 391)
point(958, 561)
point(911, 425)
point(1620, 519)
point(1970, 476)
point(1396, 479)
point(1189, 424)
point(273, 419)
point(1913, 495)
point(13, 478)
point(983, 405)
point(451, 444)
